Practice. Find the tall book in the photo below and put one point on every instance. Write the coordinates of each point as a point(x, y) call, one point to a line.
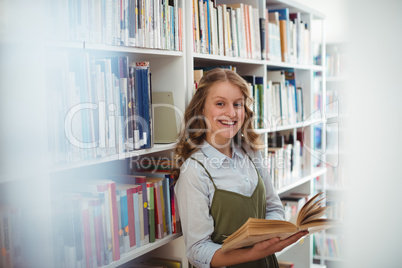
point(284, 27)
point(280, 90)
point(142, 201)
point(158, 206)
point(256, 83)
point(151, 211)
point(143, 93)
point(274, 38)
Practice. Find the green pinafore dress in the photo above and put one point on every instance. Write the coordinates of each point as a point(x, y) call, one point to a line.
point(231, 210)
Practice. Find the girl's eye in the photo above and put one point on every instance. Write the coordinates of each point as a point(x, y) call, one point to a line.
point(238, 104)
point(219, 103)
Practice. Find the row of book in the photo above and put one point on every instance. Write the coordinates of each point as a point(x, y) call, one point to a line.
point(226, 29)
point(94, 222)
point(284, 157)
point(11, 237)
point(241, 30)
point(139, 23)
point(98, 106)
point(281, 103)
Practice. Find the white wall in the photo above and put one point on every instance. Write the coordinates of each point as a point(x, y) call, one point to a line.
point(375, 134)
point(334, 11)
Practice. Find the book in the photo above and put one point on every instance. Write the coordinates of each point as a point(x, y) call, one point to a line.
point(164, 121)
point(107, 189)
point(284, 26)
point(128, 192)
point(144, 103)
point(257, 230)
point(140, 185)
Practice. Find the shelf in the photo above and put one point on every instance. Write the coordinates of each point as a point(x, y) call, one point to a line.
point(135, 253)
point(210, 58)
point(302, 180)
point(293, 66)
point(317, 257)
point(122, 156)
point(150, 52)
point(200, 57)
point(288, 127)
point(294, 7)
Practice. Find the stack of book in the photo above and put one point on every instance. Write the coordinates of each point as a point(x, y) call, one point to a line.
point(284, 158)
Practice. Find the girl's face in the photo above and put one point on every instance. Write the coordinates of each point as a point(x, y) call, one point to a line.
point(224, 112)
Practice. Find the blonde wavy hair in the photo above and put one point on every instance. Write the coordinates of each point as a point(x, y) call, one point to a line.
point(190, 141)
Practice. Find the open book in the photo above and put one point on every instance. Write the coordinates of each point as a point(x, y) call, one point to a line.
point(257, 230)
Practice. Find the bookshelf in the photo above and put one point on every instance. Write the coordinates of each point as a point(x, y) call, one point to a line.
point(171, 69)
point(333, 183)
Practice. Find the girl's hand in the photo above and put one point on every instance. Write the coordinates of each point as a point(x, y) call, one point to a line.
point(258, 251)
point(271, 246)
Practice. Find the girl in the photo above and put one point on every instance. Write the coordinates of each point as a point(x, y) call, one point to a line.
point(222, 181)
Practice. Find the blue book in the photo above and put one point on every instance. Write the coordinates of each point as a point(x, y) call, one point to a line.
point(208, 26)
point(138, 108)
point(122, 193)
point(143, 82)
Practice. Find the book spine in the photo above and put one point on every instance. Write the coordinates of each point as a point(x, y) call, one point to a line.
point(114, 221)
point(137, 229)
point(151, 211)
point(131, 222)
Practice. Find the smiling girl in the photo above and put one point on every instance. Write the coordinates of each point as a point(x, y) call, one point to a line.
point(221, 180)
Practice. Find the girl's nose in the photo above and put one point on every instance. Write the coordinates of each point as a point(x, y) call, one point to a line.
point(230, 111)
